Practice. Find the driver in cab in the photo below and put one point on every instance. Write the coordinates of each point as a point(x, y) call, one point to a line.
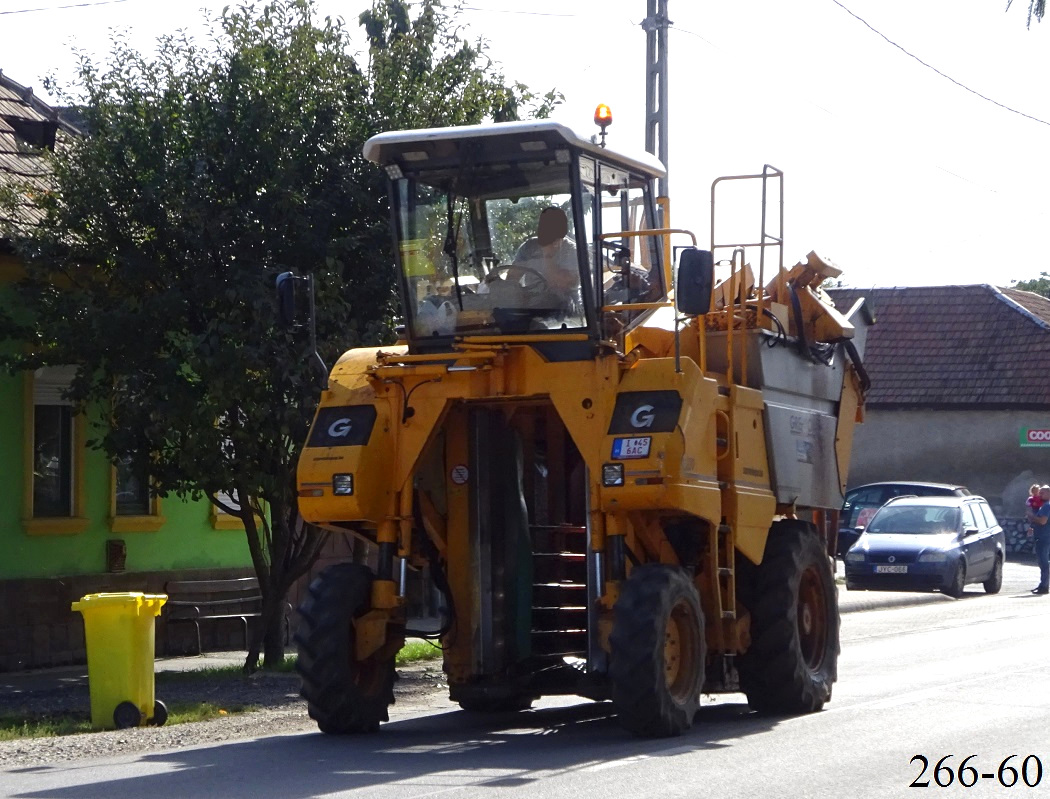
point(546, 263)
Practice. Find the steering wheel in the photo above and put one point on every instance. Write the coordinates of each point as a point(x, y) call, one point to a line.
point(536, 283)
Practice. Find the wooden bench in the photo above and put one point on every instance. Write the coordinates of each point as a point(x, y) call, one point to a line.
point(196, 601)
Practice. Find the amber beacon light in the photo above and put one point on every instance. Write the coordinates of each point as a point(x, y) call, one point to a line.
point(603, 118)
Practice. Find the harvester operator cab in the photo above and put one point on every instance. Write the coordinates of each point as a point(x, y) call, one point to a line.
point(511, 231)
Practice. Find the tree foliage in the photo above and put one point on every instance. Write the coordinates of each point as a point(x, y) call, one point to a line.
point(209, 169)
point(1038, 285)
point(1036, 8)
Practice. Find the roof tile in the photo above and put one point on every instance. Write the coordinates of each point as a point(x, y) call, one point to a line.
point(959, 346)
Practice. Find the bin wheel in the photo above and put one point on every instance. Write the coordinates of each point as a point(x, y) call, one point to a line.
point(127, 714)
point(160, 714)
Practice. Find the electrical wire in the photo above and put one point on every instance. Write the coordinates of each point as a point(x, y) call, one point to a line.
point(58, 8)
point(510, 11)
point(942, 74)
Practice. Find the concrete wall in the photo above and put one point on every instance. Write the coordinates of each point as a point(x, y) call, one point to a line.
point(978, 449)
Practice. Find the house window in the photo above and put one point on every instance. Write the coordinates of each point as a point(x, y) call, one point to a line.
point(220, 519)
point(131, 490)
point(53, 455)
point(52, 460)
point(132, 507)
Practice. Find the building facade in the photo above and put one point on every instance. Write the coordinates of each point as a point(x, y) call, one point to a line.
point(70, 522)
point(960, 392)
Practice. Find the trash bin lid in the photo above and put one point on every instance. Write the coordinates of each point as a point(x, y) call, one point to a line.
point(125, 599)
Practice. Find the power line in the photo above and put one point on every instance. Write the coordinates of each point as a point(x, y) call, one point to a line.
point(56, 8)
point(697, 35)
point(508, 11)
point(943, 75)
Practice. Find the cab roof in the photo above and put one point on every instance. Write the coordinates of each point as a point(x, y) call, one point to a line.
point(415, 148)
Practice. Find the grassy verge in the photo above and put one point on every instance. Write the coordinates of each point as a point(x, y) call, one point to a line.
point(415, 651)
point(12, 727)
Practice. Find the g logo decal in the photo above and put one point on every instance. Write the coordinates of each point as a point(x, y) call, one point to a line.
point(643, 416)
point(340, 428)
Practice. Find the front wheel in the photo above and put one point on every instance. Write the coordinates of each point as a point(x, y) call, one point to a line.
point(344, 695)
point(957, 585)
point(995, 580)
point(657, 651)
point(793, 658)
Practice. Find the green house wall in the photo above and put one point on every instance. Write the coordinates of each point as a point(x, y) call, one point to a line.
point(188, 538)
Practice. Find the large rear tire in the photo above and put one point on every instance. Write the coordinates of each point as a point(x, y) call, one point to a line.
point(658, 650)
point(792, 661)
point(344, 695)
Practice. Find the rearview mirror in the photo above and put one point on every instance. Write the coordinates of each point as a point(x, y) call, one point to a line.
point(286, 299)
point(696, 278)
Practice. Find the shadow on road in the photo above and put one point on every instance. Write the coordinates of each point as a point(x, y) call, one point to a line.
point(423, 754)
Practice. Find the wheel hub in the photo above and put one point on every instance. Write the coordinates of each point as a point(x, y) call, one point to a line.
point(672, 652)
point(805, 622)
point(812, 618)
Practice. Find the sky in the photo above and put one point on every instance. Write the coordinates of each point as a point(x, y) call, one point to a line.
point(912, 133)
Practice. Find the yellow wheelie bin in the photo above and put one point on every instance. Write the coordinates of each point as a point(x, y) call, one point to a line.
point(118, 629)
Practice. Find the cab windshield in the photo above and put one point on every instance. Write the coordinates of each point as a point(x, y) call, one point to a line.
point(501, 248)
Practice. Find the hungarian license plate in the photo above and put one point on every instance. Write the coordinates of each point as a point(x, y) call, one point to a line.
point(892, 568)
point(627, 448)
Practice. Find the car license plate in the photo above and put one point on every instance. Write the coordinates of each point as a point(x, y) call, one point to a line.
point(892, 568)
point(627, 448)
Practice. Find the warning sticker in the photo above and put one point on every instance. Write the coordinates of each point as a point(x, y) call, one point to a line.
point(459, 474)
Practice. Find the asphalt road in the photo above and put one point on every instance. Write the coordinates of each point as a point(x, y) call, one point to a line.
point(933, 678)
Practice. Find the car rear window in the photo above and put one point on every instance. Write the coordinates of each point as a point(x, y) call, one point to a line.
point(972, 516)
point(988, 515)
point(920, 519)
point(861, 503)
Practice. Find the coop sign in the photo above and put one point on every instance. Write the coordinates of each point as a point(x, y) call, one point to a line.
point(1035, 437)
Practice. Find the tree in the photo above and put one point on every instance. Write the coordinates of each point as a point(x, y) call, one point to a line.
point(1036, 8)
point(1038, 285)
point(208, 171)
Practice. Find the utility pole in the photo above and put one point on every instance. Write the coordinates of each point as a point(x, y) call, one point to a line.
point(655, 26)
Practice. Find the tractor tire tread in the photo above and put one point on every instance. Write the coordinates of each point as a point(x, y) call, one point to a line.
point(636, 671)
point(337, 699)
point(773, 671)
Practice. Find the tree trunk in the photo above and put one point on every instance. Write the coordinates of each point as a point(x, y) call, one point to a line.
point(280, 558)
point(273, 634)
